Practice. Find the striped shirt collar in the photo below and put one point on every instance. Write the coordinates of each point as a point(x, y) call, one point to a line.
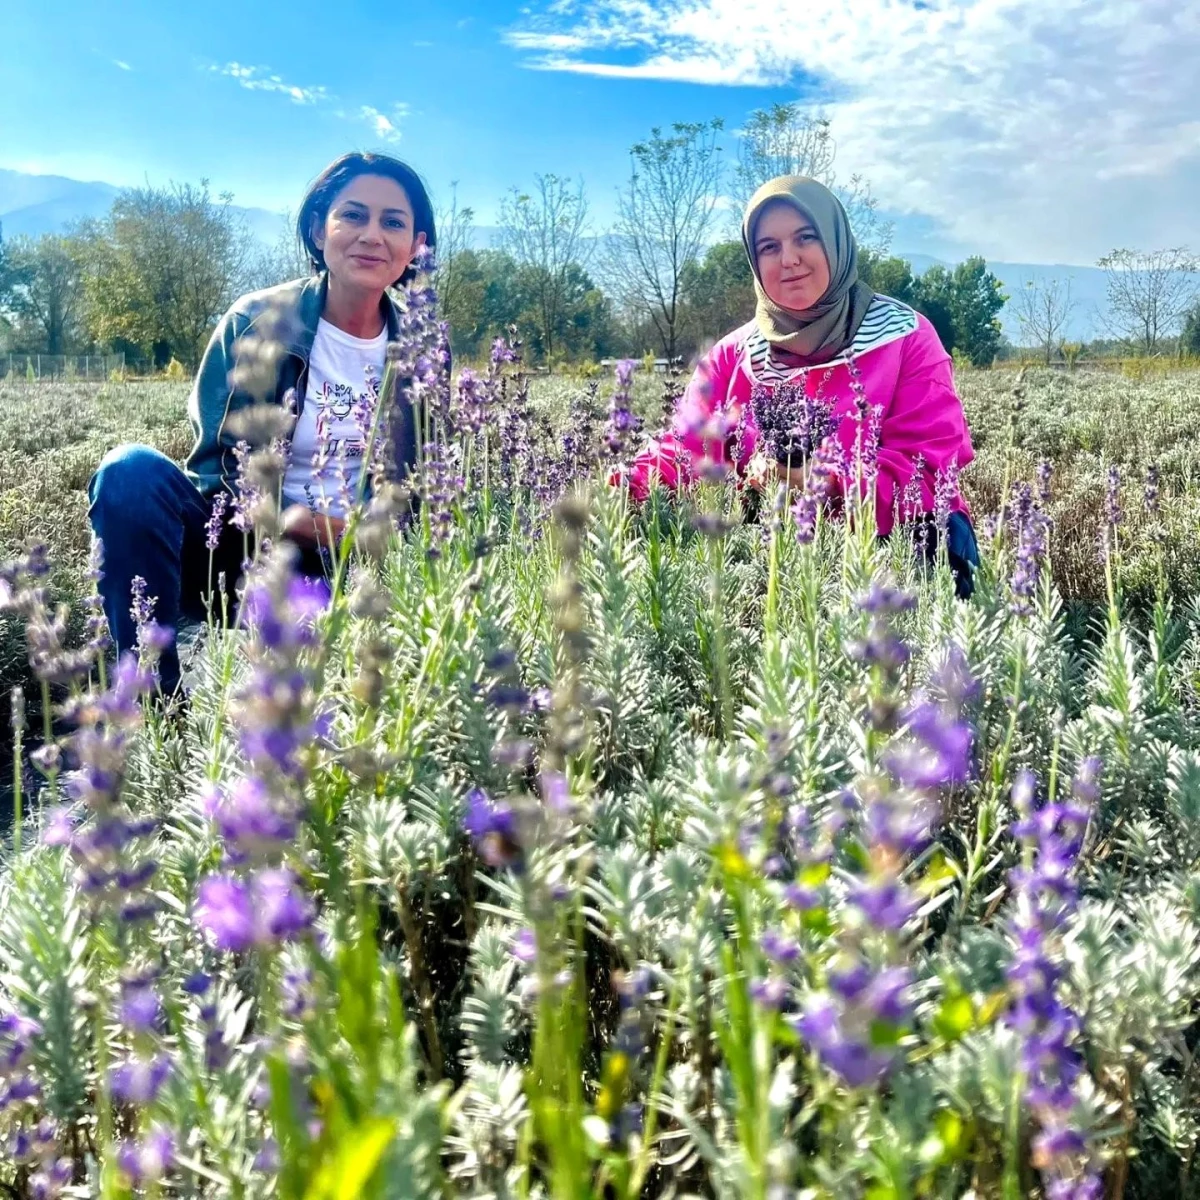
point(887, 320)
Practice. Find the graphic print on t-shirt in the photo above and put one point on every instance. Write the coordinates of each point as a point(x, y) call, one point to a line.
point(329, 440)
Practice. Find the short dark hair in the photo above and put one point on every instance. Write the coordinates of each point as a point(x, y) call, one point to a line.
point(326, 187)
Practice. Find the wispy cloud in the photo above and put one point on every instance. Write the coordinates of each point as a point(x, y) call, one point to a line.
point(120, 64)
point(1024, 128)
point(260, 79)
point(384, 125)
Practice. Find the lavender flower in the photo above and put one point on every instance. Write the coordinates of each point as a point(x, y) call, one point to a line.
point(216, 519)
point(881, 647)
point(139, 1080)
point(1151, 494)
point(108, 868)
point(1045, 471)
point(936, 752)
point(141, 1010)
point(440, 486)
point(49, 1182)
point(912, 502)
point(805, 512)
point(16, 1043)
point(790, 423)
point(1032, 528)
point(492, 825)
point(622, 424)
point(945, 490)
point(266, 909)
point(524, 946)
point(854, 1028)
point(147, 1161)
point(1045, 896)
point(96, 624)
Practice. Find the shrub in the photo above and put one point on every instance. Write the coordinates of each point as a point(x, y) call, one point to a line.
point(570, 848)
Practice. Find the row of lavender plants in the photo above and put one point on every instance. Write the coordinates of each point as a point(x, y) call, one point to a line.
point(560, 846)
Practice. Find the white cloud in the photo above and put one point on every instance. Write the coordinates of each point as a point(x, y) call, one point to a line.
point(384, 125)
point(1050, 131)
point(259, 79)
point(121, 65)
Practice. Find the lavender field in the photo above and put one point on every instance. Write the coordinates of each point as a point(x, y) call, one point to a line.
point(572, 848)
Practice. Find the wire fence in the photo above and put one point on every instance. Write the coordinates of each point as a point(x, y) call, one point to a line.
point(37, 367)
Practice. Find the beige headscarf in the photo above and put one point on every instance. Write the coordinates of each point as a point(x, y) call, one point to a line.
point(825, 330)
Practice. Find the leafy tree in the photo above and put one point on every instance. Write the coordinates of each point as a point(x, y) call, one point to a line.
point(664, 215)
point(587, 328)
point(788, 139)
point(963, 306)
point(1149, 293)
point(162, 268)
point(484, 301)
point(933, 295)
point(976, 298)
point(1189, 342)
point(543, 230)
point(888, 275)
point(718, 294)
point(40, 292)
point(493, 292)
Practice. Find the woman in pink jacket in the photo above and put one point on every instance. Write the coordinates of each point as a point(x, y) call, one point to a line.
point(820, 345)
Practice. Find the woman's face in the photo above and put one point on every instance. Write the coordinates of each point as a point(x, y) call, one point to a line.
point(791, 261)
point(368, 236)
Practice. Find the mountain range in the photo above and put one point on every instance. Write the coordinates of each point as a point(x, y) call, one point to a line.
point(31, 205)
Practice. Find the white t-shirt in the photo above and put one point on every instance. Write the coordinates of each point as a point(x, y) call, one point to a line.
point(328, 443)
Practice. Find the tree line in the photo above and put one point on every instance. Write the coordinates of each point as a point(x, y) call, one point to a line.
point(667, 276)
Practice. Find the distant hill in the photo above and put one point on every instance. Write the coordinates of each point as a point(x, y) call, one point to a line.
point(31, 205)
point(1089, 291)
point(37, 204)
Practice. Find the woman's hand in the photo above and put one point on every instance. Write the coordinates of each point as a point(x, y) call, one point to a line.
point(311, 530)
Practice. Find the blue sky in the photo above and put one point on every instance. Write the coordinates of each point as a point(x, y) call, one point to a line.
point(470, 108)
point(1023, 130)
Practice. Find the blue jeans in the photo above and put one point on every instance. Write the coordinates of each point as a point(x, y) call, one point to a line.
point(151, 520)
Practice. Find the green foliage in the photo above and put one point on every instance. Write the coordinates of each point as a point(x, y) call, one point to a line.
point(963, 306)
point(718, 293)
point(492, 293)
point(465, 1028)
point(40, 284)
point(933, 295)
point(890, 276)
point(1189, 342)
point(163, 267)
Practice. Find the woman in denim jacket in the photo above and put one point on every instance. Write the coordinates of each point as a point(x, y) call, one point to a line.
point(317, 345)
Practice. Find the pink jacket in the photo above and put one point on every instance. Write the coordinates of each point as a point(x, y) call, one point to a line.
point(902, 367)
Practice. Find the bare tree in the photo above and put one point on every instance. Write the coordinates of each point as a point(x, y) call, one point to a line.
point(454, 229)
point(664, 216)
point(788, 139)
point(544, 230)
point(282, 260)
point(1149, 292)
point(1043, 308)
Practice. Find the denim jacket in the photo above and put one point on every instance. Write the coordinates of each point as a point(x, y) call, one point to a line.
point(258, 353)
